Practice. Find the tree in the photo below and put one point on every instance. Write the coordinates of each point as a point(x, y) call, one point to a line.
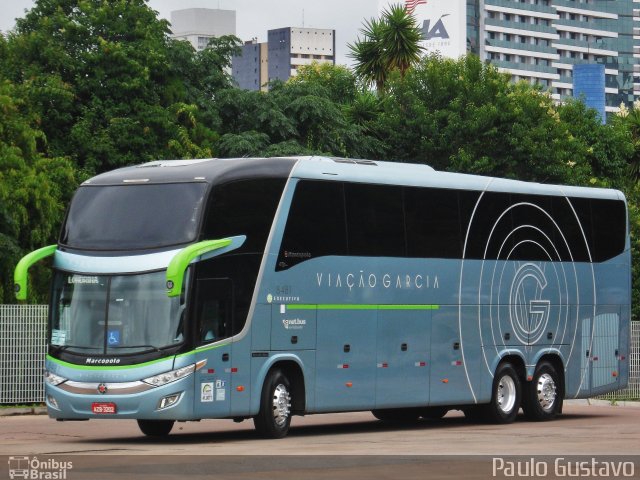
point(463, 115)
point(389, 43)
point(368, 54)
point(33, 189)
point(122, 80)
point(629, 120)
point(401, 39)
point(306, 115)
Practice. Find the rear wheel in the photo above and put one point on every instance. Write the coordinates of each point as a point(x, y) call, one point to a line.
point(274, 418)
point(155, 428)
point(505, 397)
point(397, 415)
point(543, 394)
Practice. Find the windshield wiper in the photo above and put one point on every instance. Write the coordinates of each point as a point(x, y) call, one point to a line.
point(148, 347)
point(62, 348)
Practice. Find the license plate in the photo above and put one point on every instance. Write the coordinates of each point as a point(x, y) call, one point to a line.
point(103, 408)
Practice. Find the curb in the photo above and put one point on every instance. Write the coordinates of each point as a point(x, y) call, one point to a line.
point(602, 403)
point(14, 411)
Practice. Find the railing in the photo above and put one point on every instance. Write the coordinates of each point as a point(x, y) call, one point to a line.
point(632, 392)
point(23, 348)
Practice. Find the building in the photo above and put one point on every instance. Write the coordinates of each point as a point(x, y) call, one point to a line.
point(199, 25)
point(285, 51)
point(250, 68)
point(540, 41)
point(589, 84)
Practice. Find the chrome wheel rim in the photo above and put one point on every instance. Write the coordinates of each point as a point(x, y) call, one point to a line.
point(546, 390)
point(281, 405)
point(506, 394)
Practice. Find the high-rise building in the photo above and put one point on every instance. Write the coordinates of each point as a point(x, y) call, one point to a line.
point(199, 25)
point(285, 51)
point(540, 41)
point(250, 68)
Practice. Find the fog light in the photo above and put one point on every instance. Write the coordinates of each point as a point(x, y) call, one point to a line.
point(169, 401)
point(53, 403)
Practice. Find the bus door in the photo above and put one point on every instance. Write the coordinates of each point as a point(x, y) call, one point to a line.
point(213, 312)
point(403, 358)
point(605, 349)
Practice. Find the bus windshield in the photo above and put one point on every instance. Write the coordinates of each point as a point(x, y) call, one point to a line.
point(114, 315)
point(133, 217)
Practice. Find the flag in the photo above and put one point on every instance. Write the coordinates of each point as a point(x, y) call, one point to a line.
point(412, 4)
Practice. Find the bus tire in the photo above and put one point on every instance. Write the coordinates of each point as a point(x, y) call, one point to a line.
point(397, 415)
point(505, 395)
point(274, 418)
point(543, 395)
point(155, 428)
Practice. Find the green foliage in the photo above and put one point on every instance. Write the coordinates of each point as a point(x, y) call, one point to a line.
point(401, 39)
point(117, 86)
point(309, 114)
point(633, 201)
point(389, 43)
point(34, 190)
point(463, 115)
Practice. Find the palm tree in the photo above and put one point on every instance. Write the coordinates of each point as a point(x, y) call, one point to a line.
point(389, 43)
point(369, 54)
point(401, 39)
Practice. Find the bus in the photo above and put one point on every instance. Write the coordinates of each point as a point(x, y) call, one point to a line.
point(263, 288)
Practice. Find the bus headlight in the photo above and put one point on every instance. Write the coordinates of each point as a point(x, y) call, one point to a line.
point(172, 376)
point(53, 379)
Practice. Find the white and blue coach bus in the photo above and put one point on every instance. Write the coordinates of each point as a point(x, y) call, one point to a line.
point(267, 288)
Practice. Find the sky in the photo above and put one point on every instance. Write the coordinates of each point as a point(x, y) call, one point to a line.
point(255, 17)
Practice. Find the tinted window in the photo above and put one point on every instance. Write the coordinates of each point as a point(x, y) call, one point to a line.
point(225, 287)
point(489, 236)
point(535, 236)
point(609, 226)
point(130, 217)
point(245, 207)
point(316, 224)
point(375, 220)
point(576, 231)
point(434, 220)
point(213, 309)
point(437, 223)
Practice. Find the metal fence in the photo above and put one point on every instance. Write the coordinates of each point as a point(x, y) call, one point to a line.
point(632, 392)
point(23, 348)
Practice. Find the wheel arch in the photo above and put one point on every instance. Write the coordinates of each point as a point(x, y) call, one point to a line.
point(516, 359)
point(555, 359)
point(293, 368)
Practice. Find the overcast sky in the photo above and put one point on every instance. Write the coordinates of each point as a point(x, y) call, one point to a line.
point(255, 17)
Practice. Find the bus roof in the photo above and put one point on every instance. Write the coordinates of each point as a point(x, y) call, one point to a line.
point(216, 171)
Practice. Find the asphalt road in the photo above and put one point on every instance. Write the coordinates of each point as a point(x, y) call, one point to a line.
point(350, 445)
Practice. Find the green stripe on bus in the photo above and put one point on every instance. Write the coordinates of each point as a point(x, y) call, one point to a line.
point(349, 306)
point(137, 365)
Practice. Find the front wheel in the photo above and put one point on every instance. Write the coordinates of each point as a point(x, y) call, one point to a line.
point(274, 418)
point(505, 397)
point(156, 428)
point(543, 395)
